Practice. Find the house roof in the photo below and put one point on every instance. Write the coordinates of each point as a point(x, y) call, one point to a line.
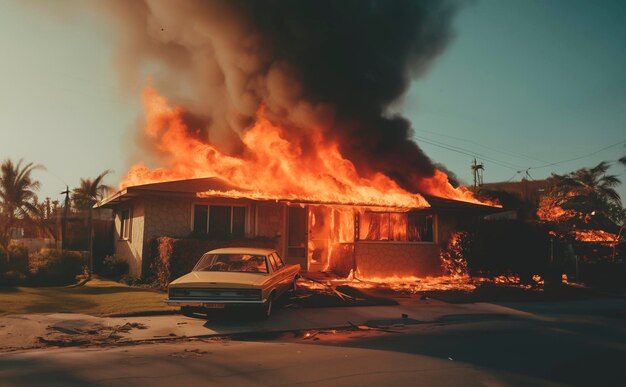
point(458, 205)
point(191, 187)
point(188, 187)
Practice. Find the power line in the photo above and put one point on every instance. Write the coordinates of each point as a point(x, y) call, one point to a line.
point(503, 163)
point(469, 152)
point(514, 154)
point(513, 177)
point(579, 157)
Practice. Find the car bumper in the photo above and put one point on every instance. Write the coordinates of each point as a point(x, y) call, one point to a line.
point(201, 303)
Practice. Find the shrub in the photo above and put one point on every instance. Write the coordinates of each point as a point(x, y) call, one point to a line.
point(56, 267)
point(113, 267)
point(12, 278)
point(453, 256)
point(18, 258)
point(4, 263)
point(13, 264)
point(508, 247)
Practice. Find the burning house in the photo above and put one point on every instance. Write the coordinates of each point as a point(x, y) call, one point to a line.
point(372, 240)
point(278, 124)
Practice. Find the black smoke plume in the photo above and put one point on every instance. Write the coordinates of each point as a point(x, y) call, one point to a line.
point(337, 65)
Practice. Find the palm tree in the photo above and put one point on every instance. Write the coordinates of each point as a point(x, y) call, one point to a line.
point(17, 194)
point(589, 191)
point(84, 197)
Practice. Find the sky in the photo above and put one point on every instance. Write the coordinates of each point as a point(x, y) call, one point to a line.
point(524, 84)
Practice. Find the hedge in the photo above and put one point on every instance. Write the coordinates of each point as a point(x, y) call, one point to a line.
point(13, 265)
point(51, 267)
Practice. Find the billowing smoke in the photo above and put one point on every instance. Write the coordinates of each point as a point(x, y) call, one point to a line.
point(334, 65)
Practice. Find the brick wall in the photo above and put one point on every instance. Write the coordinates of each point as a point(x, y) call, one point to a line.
point(384, 259)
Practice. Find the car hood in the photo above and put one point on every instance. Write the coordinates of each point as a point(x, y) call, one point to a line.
point(220, 279)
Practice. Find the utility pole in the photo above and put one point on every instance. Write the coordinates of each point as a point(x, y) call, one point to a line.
point(477, 171)
point(64, 219)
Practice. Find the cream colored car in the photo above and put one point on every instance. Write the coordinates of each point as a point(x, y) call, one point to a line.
point(234, 277)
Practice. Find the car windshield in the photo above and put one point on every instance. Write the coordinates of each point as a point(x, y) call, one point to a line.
point(239, 263)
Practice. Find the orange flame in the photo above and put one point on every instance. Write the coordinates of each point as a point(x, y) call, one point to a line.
point(550, 211)
point(273, 167)
point(594, 236)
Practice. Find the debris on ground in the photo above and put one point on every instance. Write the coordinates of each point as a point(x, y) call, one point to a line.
point(329, 292)
point(97, 334)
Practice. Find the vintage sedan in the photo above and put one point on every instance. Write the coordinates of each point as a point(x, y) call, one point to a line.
point(234, 277)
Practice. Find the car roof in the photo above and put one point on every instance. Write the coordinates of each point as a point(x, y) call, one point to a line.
point(242, 250)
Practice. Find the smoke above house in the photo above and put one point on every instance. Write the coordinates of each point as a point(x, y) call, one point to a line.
point(322, 73)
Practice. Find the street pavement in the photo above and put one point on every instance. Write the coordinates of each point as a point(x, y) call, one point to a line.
point(557, 343)
point(64, 329)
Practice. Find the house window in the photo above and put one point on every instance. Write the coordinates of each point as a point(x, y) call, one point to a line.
point(396, 226)
point(219, 221)
point(125, 224)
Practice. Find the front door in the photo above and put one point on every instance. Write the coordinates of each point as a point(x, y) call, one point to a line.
point(297, 235)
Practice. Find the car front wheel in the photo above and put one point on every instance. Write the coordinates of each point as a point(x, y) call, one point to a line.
point(267, 306)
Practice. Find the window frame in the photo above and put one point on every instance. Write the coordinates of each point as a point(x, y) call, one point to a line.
point(129, 227)
point(279, 261)
point(434, 229)
point(271, 260)
point(208, 217)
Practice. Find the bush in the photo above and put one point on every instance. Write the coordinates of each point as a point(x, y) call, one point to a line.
point(15, 258)
point(18, 258)
point(113, 267)
point(4, 263)
point(453, 256)
point(13, 264)
point(55, 267)
point(12, 278)
point(508, 247)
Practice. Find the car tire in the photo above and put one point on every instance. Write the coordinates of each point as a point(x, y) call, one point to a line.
point(266, 310)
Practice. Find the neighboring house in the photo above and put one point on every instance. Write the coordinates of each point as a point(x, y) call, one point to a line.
point(30, 235)
point(521, 198)
point(527, 190)
point(375, 241)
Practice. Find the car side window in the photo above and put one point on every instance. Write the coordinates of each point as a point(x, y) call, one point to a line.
point(272, 262)
point(279, 261)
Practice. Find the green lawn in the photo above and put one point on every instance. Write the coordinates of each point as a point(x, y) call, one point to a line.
point(97, 297)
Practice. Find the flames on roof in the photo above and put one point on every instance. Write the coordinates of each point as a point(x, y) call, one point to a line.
point(270, 167)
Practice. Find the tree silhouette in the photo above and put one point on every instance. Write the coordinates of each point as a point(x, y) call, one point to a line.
point(84, 197)
point(17, 194)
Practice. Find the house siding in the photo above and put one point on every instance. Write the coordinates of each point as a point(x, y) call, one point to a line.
point(270, 223)
point(173, 216)
point(131, 249)
point(384, 259)
point(159, 216)
point(167, 217)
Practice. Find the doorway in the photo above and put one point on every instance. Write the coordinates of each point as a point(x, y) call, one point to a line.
point(297, 235)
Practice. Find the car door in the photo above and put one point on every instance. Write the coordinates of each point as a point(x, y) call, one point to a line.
point(285, 275)
point(276, 278)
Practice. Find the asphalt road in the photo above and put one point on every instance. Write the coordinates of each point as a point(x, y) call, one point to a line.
point(570, 347)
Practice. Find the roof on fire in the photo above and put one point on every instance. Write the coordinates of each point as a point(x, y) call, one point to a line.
point(191, 187)
point(188, 187)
